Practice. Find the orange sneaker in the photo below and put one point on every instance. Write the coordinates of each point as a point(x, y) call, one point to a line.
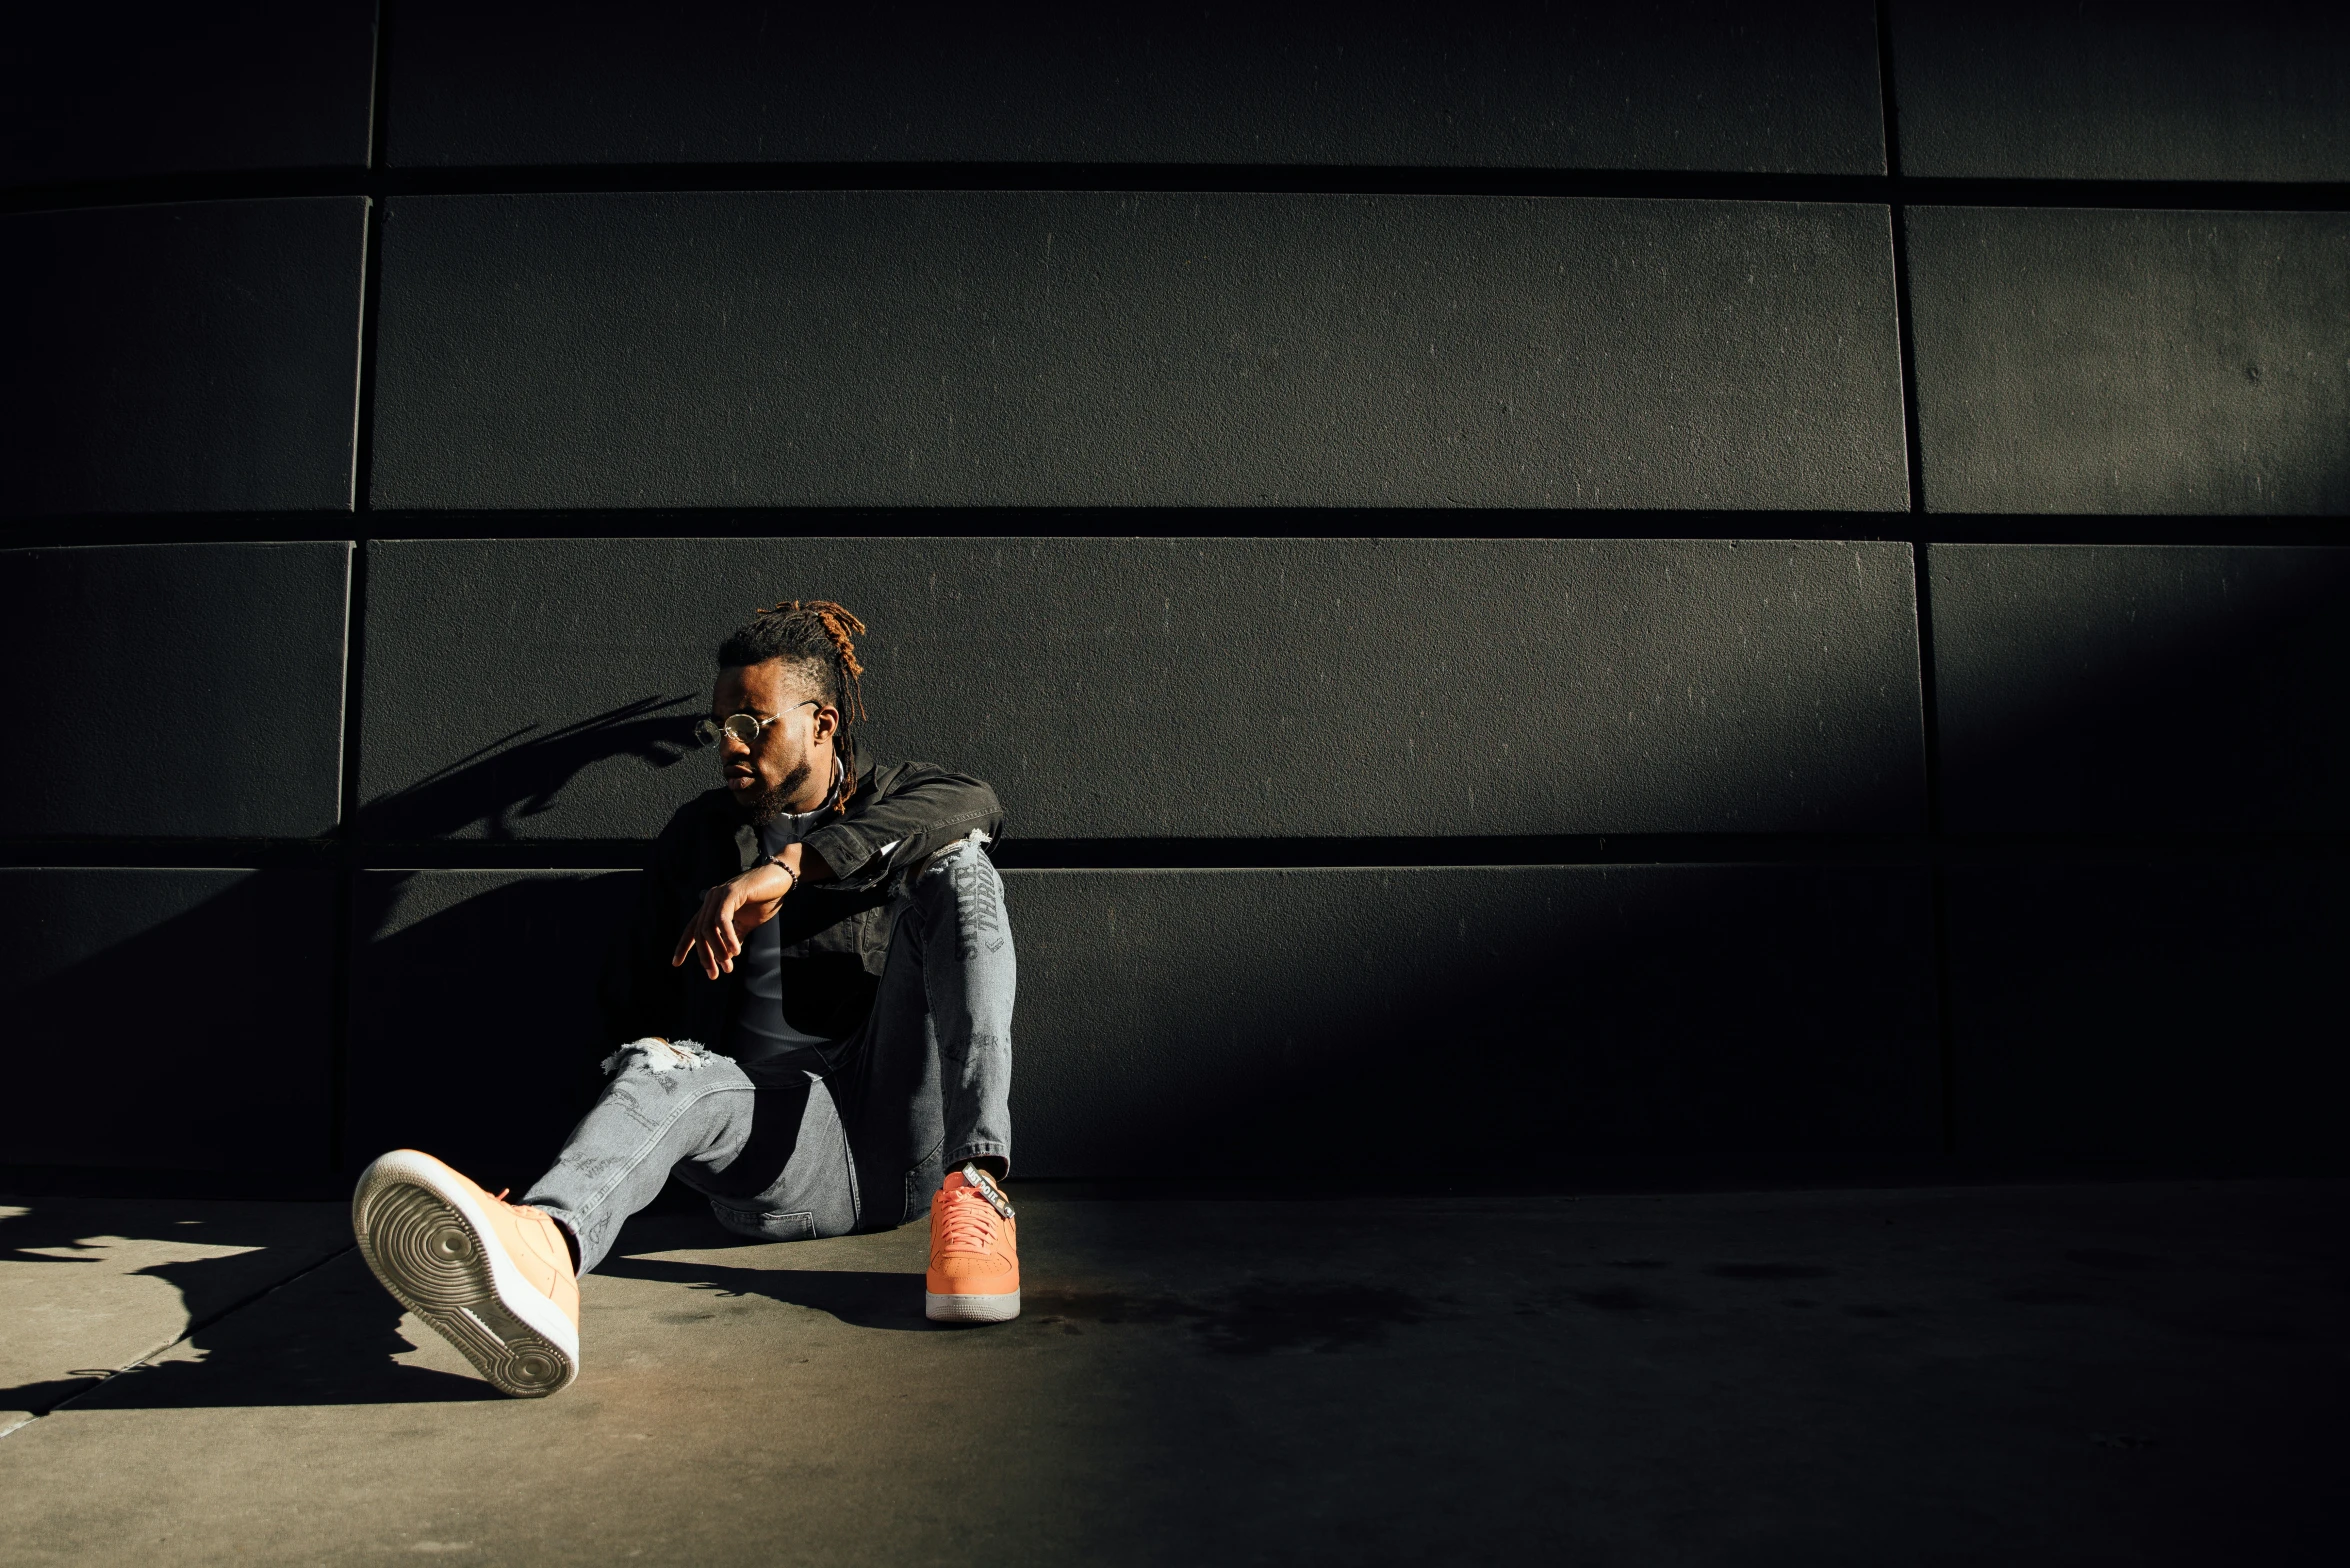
point(492, 1278)
point(974, 1252)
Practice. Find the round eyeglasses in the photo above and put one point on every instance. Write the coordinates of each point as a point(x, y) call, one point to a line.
point(745, 727)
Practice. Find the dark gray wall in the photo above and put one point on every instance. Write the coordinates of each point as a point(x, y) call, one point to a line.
point(1472, 1021)
point(427, 1009)
point(1518, 583)
point(1475, 1021)
point(192, 357)
point(2123, 89)
point(175, 691)
point(1157, 688)
point(1777, 85)
point(1081, 348)
point(2187, 362)
point(2138, 1007)
point(145, 87)
point(2142, 688)
point(167, 1019)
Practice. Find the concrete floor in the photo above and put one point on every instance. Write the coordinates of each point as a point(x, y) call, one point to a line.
point(2152, 1373)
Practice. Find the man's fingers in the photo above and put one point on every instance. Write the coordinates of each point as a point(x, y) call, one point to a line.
point(713, 932)
point(686, 939)
point(705, 926)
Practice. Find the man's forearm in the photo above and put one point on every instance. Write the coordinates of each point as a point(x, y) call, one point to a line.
point(804, 863)
point(923, 815)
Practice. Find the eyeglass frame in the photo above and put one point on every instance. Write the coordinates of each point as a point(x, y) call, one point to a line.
point(709, 732)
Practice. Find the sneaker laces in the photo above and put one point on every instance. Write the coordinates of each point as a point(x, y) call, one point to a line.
point(968, 1219)
point(520, 1208)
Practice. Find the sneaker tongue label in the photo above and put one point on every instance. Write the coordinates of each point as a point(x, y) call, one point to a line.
point(984, 1184)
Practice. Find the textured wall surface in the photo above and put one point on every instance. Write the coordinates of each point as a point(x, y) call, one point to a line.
point(1074, 349)
point(180, 691)
point(197, 357)
point(1777, 85)
point(1710, 584)
point(2123, 90)
point(1202, 688)
point(2189, 362)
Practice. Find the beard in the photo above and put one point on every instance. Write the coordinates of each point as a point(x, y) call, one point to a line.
point(775, 801)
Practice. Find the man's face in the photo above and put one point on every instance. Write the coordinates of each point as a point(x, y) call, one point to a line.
point(768, 777)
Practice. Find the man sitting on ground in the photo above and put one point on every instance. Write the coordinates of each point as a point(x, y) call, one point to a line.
point(817, 991)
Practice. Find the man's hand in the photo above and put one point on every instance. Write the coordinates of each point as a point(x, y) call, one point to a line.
point(732, 910)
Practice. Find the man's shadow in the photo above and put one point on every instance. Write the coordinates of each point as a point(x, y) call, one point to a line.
point(330, 1335)
point(338, 1347)
point(861, 1298)
point(520, 774)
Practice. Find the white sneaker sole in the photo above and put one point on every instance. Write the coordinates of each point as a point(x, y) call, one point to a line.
point(971, 1309)
point(431, 1246)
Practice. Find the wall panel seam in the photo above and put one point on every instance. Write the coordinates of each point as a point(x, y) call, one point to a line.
point(1929, 723)
point(633, 179)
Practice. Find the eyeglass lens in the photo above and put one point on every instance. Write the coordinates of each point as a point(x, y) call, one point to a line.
point(742, 726)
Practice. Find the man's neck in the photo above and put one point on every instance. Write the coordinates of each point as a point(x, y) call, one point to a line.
point(807, 802)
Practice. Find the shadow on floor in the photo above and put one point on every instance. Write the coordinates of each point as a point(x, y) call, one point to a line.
point(680, 1221)
point(343, 1354)
point(858, 1298)
point(263, 1246)
point(349, 1326)
point(1263, 1316)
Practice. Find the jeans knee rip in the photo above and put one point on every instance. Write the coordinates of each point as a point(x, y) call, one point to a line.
point(658, 1056)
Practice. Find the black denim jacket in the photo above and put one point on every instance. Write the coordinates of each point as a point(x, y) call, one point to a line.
point(835, 933)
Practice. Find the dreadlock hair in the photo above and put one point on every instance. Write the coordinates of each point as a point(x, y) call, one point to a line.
point(815, 636)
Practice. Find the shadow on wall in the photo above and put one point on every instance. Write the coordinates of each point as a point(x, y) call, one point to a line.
point(474, 1027)
point(1479, 1022)
point(167, 1019)
point(1494, 1023)
point(2133, 689)
point(2152, 1009)
point(520, 773)
point(232, 1073)
point(1277, 1019)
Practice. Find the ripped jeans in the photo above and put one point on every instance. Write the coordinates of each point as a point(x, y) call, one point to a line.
point(786, 1154)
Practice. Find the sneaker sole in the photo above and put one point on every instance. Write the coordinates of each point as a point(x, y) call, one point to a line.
point(430, 1245)
point(1001, 1308)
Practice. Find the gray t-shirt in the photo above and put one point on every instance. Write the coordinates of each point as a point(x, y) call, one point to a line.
point(760, 1033)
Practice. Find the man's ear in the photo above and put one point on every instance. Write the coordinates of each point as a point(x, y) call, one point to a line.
point(825, 722)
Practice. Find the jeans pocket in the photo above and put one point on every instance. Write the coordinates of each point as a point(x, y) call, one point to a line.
point(765, 1224)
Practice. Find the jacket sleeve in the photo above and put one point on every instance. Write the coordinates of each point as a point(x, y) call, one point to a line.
point(905, 813)
point(640, 993)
